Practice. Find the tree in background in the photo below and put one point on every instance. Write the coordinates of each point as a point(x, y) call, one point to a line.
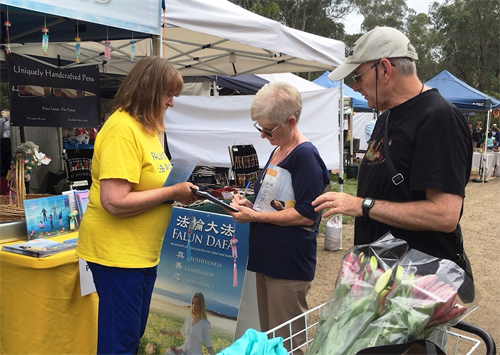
point(391, 13)
point(470, 46)
point(425, 39)
point(320, 17)
point(460, 36)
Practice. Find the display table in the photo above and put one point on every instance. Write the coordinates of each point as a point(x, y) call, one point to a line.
point(41, 308)
point(484, 161)
point(496, 163)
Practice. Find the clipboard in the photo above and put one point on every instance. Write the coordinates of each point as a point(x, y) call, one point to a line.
point(209, 197)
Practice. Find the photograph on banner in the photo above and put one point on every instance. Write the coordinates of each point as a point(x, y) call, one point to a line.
point(44, 96)
point(202, 266)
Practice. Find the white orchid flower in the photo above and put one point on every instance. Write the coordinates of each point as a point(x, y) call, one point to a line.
point(42, 158)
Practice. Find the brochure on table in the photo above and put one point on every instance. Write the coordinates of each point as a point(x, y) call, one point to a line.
point(48, 216)
point(205, 264)
point(39, 248)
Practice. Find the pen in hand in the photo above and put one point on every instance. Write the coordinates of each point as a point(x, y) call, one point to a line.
point(246, 190)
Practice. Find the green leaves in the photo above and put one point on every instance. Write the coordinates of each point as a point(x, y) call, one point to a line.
point(375, 305)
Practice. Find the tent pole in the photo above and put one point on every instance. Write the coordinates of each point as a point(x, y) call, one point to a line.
point(341, 135)
point(341, 150)
point(351, 145)
point(485, 144)
point(60, 141)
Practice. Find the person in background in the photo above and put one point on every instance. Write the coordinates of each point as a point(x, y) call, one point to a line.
point(429, 144)
point(282, 244)
point(369, 129)
point(196, 330)
point(478, 135)
point(490, 141)
point(496, 134)
point(122, 231)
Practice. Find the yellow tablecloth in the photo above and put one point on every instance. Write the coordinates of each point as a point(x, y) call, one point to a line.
point(41, 308)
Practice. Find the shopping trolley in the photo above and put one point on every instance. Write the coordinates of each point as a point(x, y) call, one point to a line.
point(475, 335)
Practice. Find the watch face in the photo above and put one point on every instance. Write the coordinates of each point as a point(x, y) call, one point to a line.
point(367, 202)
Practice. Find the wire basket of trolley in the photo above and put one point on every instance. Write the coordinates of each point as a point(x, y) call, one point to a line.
point(389, 299)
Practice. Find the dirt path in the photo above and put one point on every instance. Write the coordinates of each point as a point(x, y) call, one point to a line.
point(481, 228)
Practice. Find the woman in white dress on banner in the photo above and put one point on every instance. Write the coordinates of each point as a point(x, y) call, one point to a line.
point(196, 330)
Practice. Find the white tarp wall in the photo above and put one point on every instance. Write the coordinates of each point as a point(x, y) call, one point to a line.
point(360, 119)
point(202, 128)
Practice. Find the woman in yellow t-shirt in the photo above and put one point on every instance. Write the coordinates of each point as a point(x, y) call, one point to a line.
point(122, 231)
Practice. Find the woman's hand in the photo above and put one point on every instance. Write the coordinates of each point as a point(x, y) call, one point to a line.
point(240, 200)
point(245, 214)
point(182, 193)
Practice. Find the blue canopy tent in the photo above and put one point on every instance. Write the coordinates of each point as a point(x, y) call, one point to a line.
point(357, 100)
point(465, 97)
point(247, 84)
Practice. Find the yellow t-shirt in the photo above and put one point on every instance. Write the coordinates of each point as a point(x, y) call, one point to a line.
point(123, 150)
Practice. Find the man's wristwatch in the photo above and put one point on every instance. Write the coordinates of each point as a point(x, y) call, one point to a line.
point(367, 204)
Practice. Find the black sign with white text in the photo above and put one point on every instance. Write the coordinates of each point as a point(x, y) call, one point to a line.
point(42, 95)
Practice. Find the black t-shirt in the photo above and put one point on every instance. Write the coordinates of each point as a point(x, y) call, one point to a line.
point(478, 136)
point(430, 144)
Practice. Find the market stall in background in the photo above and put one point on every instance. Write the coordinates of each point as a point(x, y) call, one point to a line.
point(64, 62)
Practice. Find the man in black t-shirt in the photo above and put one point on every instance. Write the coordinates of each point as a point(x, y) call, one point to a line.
point(427, 141)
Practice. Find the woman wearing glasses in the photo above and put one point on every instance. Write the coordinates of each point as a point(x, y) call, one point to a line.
point(282, 249)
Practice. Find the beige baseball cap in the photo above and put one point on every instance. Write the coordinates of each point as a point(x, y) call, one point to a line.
point(381, 42)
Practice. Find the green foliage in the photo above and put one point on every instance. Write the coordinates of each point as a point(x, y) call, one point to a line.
point(314, 16)
point(391, 13)
point(469, 40)
point(460, 36)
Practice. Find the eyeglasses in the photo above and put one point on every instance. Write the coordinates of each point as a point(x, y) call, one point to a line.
point(357, 78)
point(266, 132)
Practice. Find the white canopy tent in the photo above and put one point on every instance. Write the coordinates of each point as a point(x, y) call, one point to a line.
point(203, 38)
point(218, 37)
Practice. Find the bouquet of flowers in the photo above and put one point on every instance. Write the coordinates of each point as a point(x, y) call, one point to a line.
point(386, 294)
point(26, 158)
point(31, 158)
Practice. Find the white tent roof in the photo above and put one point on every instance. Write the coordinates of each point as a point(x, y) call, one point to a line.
point(220, 38)
point(201, 37)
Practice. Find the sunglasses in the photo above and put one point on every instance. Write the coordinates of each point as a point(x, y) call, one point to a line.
point(266, 132)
